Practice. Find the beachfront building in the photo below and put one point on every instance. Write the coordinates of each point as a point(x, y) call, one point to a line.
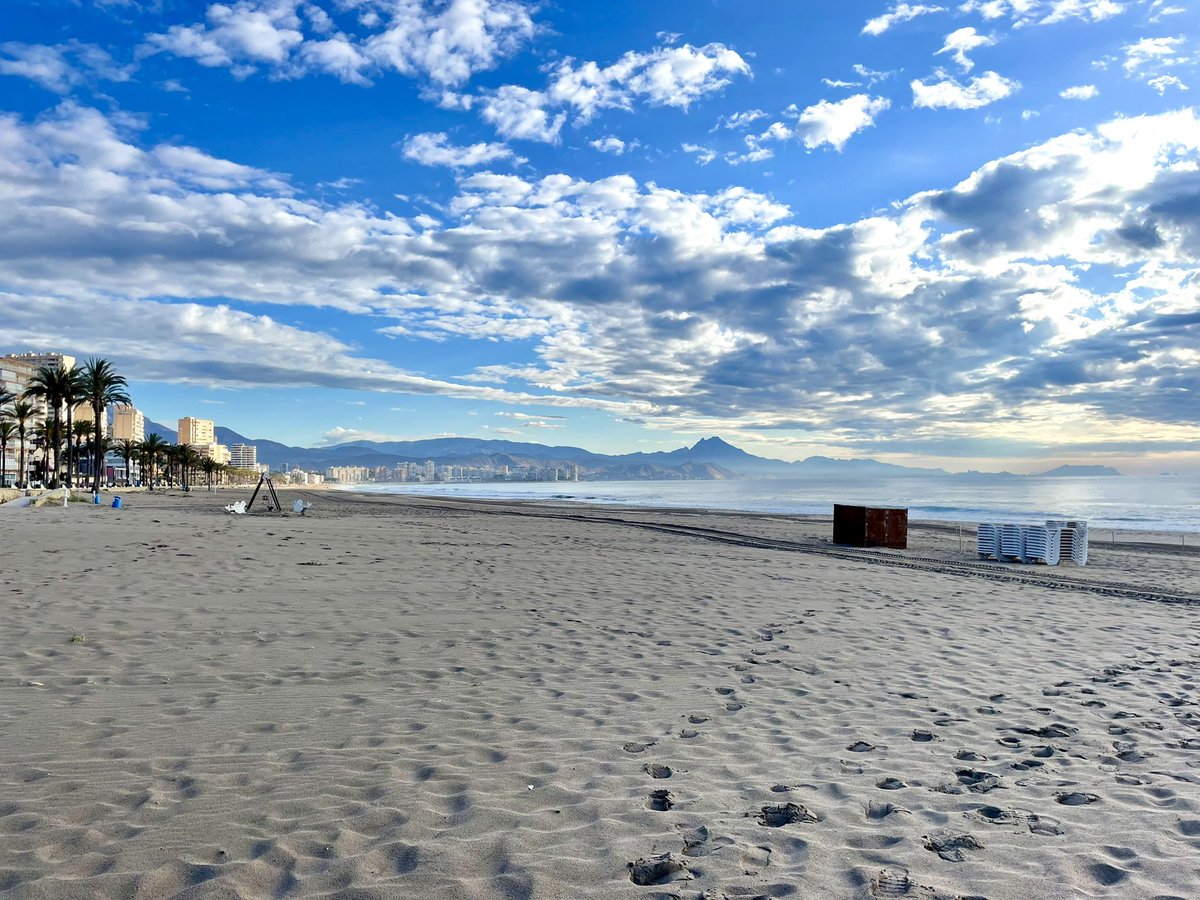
point(197, 432)
point(84, 413)
point(16, 371)
point(347, 474)
point(299, 476)
point(243, 456)
point(218, 453)
point(128, 424)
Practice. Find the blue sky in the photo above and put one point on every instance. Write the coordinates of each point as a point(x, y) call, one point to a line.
point(961, 234)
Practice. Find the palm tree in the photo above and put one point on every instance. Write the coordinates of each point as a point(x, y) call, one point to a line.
point(47, 435)
point(153, 447)
point(102, 386)
point(73, 395)
point(24, 414)
point(53, 385)
point(188, 460)
point(209, 466)
point(80, 433)
point(128, 449)
point(8, 431)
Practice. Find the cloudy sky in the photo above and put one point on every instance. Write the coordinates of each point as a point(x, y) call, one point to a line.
point(962, 234)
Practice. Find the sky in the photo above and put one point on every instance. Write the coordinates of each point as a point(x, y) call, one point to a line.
point(961, 234)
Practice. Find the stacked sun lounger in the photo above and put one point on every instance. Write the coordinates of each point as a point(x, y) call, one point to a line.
point(1047, 544)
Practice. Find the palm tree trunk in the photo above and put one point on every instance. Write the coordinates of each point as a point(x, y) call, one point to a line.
point(99, 449)
point(21, 479)
point(70, 438)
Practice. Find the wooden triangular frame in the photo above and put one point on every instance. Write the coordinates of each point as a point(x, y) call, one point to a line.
point(264, 479)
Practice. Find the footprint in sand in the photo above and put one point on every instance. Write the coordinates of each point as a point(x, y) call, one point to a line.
point(970, 756)
point(657, 770)
point(878, 810)
point(660, 800)
point(1075, 798)
point(977, 781)
point(861, 747)
point(754, 859)
point(893, 882)
point(635, 747)
point(660, 869)
point(890, 784)
point(698, 840)
point(994, 815)
point(922, 737)
point(949, 845)
point(777, 815)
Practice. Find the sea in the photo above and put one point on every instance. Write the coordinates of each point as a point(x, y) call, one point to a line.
point(1169, 503)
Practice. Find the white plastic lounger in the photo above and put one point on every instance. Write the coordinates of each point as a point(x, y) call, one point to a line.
point(987, 542)
point(1041, 544)
point(239, 508)
point(300, 507)
point(1075, 542)
point(1012, 543)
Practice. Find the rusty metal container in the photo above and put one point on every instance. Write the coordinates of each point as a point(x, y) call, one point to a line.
point(869, 526)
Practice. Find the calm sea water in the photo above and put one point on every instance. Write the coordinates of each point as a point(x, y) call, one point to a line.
point(1159, 503)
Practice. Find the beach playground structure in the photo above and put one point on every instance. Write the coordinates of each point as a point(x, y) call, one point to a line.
point(241, 507)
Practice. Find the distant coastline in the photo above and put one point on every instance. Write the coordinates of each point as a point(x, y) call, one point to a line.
point(480, 460)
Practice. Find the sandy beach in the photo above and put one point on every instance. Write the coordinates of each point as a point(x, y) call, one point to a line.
point(420, 698)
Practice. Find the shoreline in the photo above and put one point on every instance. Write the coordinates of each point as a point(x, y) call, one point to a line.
point(1188, 540)
point(1156, 535)
point(1117, 535)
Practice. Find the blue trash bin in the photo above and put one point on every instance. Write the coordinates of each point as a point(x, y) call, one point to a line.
point(96, 499)
point(116, 502)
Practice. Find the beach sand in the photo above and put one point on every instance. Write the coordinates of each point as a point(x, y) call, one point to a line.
point(418, 698)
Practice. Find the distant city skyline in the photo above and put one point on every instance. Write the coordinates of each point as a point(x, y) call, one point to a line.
point(960, 235)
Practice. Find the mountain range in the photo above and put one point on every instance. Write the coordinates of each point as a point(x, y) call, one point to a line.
point(711, 458)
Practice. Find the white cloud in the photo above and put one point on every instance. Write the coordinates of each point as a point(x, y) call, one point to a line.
point(435, 149)
point(610, 144)
point(961, 42)
point(61, 67)
point(353, 40)
point(1149, 60)
point(948, 93)
point(1153, 52)
point(1091, 10)
point(901, 12)
point(1079, 92)
point(1043, 12)
point(704, 155)
point(835, 123)
point(519, 113)
point(665, 76)
point(740, 120)
point(1161, 82)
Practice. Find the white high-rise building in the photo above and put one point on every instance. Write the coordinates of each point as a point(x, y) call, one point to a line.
point(243, 456)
